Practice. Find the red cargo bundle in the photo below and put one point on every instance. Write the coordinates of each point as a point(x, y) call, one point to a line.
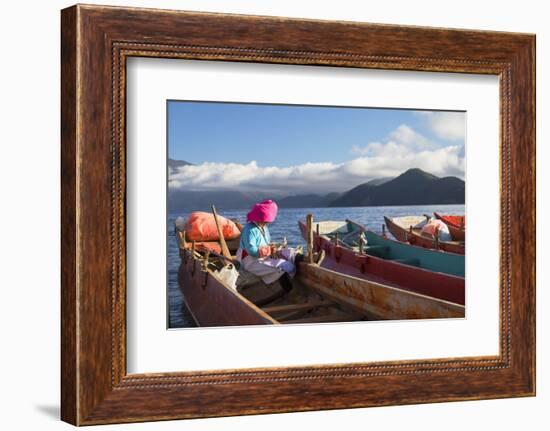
point(201, 226)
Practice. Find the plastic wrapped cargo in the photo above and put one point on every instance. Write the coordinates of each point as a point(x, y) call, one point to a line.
point(434, 226)
point(201, 226)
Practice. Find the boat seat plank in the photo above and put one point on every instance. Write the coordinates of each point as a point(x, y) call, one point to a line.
point(296, 307)
point(293, 315)
point(326, 318)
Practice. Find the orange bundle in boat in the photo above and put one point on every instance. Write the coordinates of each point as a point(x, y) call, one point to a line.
point(201, 226)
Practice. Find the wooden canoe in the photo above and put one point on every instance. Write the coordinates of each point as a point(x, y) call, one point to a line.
point(213, 302)
point(391, 267)
point(456, 225)
point(408, 229)
point(432, 260)
point(376, 300)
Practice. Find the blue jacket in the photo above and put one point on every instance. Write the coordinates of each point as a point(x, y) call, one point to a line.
point(252, 238)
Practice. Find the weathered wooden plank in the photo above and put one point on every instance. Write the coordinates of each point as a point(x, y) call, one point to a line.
point(295, 307)
point(325, 318)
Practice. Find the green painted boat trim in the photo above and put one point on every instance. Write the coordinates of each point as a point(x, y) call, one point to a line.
point(433, 260)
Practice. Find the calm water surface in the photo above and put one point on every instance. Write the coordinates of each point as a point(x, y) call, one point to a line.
point(287, 225)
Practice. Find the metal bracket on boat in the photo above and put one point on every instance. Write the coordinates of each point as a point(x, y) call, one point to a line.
point(205, 280)
point(337, 253)
point(182, 243)
point(363, 260)
point(318, 238)
point(205, 268)
point(193, 269)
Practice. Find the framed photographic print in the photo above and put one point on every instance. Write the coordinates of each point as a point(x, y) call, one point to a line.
point(279, 206)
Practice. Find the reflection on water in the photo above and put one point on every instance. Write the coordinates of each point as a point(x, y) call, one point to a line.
point(287, 225)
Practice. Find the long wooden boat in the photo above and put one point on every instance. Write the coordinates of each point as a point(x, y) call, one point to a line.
point(319, 295)
point(213, 301)
point(408, 229)
point(432, 260)
point(378, 301)
point(388, 262)
point(456, 225)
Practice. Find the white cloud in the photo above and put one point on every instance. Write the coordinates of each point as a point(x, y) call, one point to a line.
point(408, 136)
point(392, 159)
point(446, 125)
point(251, 177)
point(404, 149)
point(403, 140)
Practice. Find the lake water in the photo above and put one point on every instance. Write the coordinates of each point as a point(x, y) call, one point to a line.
point(287, 225)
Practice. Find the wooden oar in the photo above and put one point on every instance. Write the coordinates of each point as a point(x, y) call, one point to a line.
point(225, 249)
point(309, 223)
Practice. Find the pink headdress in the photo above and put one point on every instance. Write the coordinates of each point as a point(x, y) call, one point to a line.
point(265, 211)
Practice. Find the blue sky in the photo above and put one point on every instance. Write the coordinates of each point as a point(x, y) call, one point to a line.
point(348, 145)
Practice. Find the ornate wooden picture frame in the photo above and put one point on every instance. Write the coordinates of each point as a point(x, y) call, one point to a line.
point(96, 41)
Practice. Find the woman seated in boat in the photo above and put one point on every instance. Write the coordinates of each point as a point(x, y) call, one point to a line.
point(256, 252)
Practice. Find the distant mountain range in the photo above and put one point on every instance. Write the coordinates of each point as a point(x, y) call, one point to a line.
point(308, 201)
point(413, 187)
